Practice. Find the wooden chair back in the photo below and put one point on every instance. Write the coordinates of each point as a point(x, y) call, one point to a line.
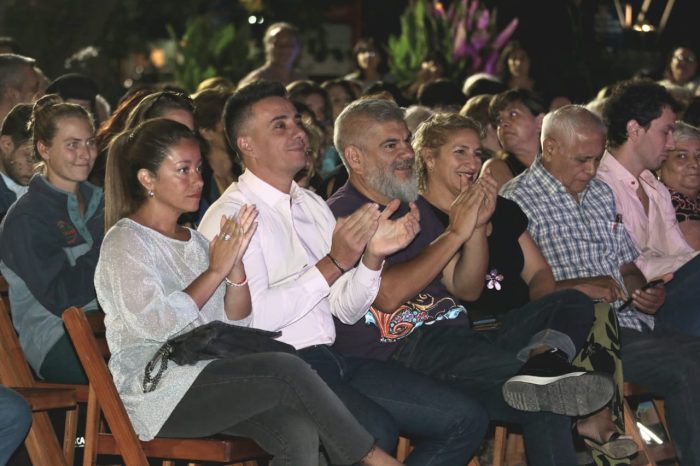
point(122, 439)
point(41, 442)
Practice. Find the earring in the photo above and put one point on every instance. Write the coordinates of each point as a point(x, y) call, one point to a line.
point(151, 194)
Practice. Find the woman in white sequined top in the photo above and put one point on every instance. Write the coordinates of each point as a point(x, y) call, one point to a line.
point(156, 279)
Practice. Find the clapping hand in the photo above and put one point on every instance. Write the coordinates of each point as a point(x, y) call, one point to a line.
point(393, 235)
point(227, 248)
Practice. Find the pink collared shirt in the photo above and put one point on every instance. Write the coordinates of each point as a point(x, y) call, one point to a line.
point(657, 235)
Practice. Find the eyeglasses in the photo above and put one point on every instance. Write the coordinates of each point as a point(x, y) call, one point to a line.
point(685, 58)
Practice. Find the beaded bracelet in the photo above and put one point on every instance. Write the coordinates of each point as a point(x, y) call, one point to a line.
point(235, 285)
point(336, 263)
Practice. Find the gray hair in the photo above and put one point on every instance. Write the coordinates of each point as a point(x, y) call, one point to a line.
point(351, 124)
point(568, 121)
point(683, 132)
point(11, 66)
point(415, 115)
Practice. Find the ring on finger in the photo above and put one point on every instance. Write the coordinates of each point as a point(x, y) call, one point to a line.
point(226, 237)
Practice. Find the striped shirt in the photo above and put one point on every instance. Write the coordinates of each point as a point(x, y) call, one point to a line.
point(578, 239)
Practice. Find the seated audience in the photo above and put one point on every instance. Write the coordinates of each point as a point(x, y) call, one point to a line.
point(50, 239)
point(416, 318)
point(448, 162)
point(157, 279)
point(573, 219)
point(415, 115)
point(680, 172)
point(304, 269)
point(216, 82)
point(482, 83)
point(641, 116)
point(517, 115)
point(16, 158)
point(432, 67)
point(282, 46)
point(15, 422)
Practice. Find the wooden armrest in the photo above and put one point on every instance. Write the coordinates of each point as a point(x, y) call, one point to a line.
point(43, 399)
point(81, 391)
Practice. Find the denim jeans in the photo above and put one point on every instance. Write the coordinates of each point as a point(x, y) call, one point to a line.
point(446, 426)
point(15, 421)
point(667, 362)
point(275, 399)
point(681, 309)
point(478, 363)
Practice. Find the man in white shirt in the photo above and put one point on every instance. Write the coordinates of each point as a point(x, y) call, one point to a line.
point(640, 116)
point(301, 272)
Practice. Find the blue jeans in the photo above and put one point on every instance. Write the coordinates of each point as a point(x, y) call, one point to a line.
point(682, 306)
point(667, 362)
point(447, 427)
point(15, 420)
point(478, 363)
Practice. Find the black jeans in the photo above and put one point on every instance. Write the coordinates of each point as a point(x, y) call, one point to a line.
point(275, 399)
point(445, 425)
point(480, 362)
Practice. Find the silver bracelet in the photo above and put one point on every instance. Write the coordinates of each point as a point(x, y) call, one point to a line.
point(235, 285)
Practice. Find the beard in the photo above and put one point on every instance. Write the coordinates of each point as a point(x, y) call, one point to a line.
point(386, 183)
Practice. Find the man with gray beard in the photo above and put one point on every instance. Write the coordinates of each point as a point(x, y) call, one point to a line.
point(417, 318)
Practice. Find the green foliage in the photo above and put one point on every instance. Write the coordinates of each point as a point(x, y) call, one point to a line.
point(206, 50)
point(465, 36)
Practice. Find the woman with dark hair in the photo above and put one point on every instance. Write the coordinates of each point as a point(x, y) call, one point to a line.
point(514, 64)
point(156, 279)
point(51, 237)
point(370, 64)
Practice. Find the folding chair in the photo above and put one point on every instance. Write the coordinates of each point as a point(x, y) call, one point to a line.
point(121, 439)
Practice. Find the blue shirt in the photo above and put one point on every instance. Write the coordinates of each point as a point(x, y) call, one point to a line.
point(578, 239)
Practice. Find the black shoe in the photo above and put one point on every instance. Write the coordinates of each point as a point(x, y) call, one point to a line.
point(548, 382)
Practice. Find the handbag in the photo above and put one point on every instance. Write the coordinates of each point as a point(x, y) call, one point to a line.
point(214, 340)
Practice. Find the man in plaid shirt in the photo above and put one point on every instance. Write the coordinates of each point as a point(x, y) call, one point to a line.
point(573, 218)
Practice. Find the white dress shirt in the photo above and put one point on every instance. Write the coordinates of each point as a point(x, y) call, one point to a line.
point(288, 292)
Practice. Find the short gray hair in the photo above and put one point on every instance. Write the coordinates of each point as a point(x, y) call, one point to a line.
point(569, 120)
point(683, 132)
point(11, 66)
point(350, 126)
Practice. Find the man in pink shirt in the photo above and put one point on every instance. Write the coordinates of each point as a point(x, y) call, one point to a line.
point(640, 116)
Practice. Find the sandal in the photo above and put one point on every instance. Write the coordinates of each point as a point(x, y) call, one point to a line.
point(618, 446)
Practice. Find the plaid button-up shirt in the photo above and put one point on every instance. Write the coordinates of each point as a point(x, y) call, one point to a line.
point(578, 239)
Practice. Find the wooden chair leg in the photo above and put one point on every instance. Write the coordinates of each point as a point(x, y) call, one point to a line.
point(515, 449)
point(42, 444)
point(403, 449)
point(69, 435)
point(632, 430)
point(499, 446)
point(474, 462)
point(92, 429)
